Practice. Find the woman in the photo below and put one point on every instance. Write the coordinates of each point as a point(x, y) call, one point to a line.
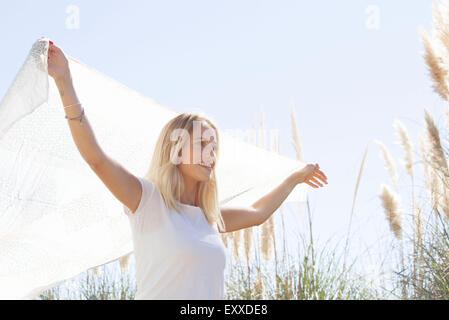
point(173, 211)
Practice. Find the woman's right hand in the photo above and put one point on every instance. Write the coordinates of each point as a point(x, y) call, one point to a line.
point(58, 64)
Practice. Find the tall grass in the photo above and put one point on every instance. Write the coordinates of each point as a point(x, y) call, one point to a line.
point(424, 270)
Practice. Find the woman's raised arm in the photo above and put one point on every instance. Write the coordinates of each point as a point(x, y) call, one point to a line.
point(123, 185)
point(82, 133)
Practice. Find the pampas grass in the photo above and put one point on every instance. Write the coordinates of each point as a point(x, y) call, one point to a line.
point(237, 237)
point(393, 211)
point(440, 26)
point(389, 162)
point(267, 239)
point(433, 138)
point(406, 143)
point(96, 271)
point(436, 49)
point(295, 135)
point(226, 236)
point(124, 263)
point(248, 241)
point(438, 71)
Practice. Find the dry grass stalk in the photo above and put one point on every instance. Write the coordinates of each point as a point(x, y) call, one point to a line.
point(425, 162)
point(438, 70)
point(248, 241)
point(440, 26)
point(393, 211)
point(443, 198)
point(237, 237)
point(125, 263)
point(434, 188)
point(97, 271)
point(295, 135)
point(405, 142)
point(390, 165)
point(436, 150)
point(435, 166)
point(418, 222)
point(417, 242)
point(225, 237)
point(258, 285)
point(267, 239)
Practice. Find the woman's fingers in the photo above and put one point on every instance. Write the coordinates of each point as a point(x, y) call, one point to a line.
point(316, 178)
point(321, 176)
point(320, 173)
point(316, 181)
point(311, 184)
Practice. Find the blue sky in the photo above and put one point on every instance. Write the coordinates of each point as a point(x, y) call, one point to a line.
point(349, 77)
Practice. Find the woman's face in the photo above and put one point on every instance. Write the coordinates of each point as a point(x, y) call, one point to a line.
point(200, 161)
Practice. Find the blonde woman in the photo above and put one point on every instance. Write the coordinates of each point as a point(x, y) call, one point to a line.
point(173, 210)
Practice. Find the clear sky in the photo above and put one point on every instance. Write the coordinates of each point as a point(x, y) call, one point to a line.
point(351, 67)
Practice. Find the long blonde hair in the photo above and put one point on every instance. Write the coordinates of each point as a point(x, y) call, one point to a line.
point(167, 177)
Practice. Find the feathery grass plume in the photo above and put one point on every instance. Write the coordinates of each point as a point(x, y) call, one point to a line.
point(438, 71)
point(295, 135)
point(125, 263)
point(425, 162)
point(393, 211)
point(237, 235)
point(431, 179)
point(418, 222)
point(440, 26)
point(436, 150)
point(439, 166)
point(406, 143)
point(390, 165)
point(248, 241)
point(225, 237)
point(259, 286)
point(267, 239)
point(443, 197)
point(96, 271)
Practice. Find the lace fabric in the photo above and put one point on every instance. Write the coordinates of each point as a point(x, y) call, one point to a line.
point(57, 219)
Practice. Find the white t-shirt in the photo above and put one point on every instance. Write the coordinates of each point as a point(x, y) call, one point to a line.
point(177, 255)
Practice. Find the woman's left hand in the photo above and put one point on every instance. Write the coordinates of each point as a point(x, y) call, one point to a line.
point(311, 174)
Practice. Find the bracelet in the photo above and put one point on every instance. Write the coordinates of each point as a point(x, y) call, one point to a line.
point(75, 104)
point(76, 118)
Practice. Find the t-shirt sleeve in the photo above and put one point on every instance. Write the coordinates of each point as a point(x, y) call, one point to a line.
point(148, 189)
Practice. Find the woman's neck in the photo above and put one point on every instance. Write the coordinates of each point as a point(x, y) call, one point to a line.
point(189, 195)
